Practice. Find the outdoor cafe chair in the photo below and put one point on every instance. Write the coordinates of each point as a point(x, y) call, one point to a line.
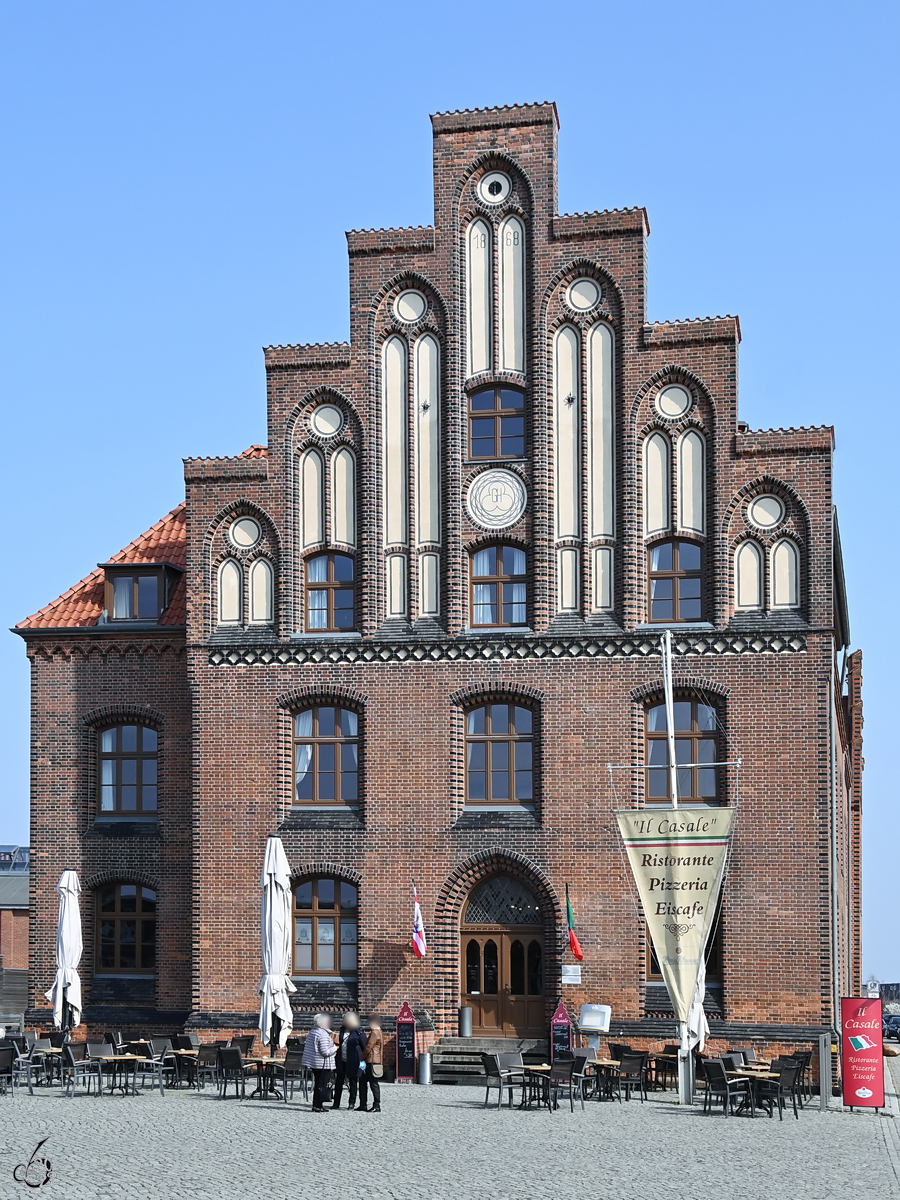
point(720, 1087)
point(57, 1038)
point(632, 1073)
point(771, 1092)
point(562, 1079)
point(663, 1067)
point(30, 1037)
point(8, 1058)
point(513, 1066)
point(78, 1068)
point(232, 1070)
point(583, 1081)
point(804, 1079)
point(244, 1043)
point(148, 1066)
point(741, 1052)
point(499, 1078)
point(732, 1062)
point(291, 1071)
point(204, 1068)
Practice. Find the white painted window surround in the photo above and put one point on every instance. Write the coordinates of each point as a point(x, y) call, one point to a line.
point(343, 497)
point(748, 576)
point(312, 498)
point(428, 441)
point(784, 574)
point(262, 588)
point(512, 294)
point(692, 482)
point(479, 297)
point(231, 586)
point(657, 487)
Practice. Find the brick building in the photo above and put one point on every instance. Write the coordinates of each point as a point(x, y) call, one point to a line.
point(410, 634)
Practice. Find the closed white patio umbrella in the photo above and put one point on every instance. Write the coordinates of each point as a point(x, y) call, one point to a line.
point(65, 994)
point(276, 1018)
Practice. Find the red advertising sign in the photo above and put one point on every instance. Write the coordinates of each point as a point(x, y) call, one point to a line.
point(862, 1063)
point(560, 1031)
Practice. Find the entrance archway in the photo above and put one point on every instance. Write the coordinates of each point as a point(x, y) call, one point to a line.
point(502, 964)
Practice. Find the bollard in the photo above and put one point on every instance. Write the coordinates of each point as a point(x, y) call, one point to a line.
point(425, 1067)
point(464, 1022)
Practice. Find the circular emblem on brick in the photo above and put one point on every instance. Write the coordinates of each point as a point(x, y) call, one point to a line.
point(410, 305)
point(245, 533)
point(496, 499)
point(673, 401)
point(326, 420)
point(765, 512)
point(494, 187)
point(583, 295)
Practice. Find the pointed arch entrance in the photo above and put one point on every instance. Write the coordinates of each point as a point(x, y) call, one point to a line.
point(502, 959)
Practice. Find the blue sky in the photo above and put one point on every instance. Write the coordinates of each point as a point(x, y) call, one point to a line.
point(178, 177)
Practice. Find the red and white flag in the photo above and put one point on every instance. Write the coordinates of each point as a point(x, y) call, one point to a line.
point(419, 944)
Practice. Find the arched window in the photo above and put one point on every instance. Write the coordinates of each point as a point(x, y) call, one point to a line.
point(330, 604)
point(262, 581)
point(696, 745)
point(325, 927)
point(312, 499)
point(748, 576)
point(499, 586)
point(126, 928)
point(692, 482)
point(479, 297)
point(676, 581)
point(784, 575)
point(326, 756)
point(128, 769)
point(511, 238)
point(500, 755)
point(497, 423)
point(231, 587)
point(657, 485)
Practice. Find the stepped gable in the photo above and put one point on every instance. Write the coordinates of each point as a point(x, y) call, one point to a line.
point(82, 605)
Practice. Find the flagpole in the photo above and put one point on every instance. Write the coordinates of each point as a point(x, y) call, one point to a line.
point(685, 1065)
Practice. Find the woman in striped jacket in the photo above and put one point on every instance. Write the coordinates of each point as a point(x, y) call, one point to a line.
point(319, 1053)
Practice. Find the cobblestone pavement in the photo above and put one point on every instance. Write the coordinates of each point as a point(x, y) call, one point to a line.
point(437, 1143)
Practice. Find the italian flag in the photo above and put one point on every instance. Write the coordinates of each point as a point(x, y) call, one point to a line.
point(574, 944)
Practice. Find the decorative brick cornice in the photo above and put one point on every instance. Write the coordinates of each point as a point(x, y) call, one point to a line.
point(609, 223)
point(119, 713)
point(692, 331)
point(496, 691)
point(327, 869)
point(684, 683)
point(298, 697)
point(641, 645)
point(501, 117)
point(390, 241)
point(310, 354)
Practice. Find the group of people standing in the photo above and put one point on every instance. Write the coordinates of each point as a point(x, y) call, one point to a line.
point(351, 1055)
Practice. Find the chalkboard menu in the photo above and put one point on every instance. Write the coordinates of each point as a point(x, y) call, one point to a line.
point(405, 1049)
point(560, 1032)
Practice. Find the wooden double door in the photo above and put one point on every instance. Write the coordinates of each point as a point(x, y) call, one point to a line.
point(502, 979)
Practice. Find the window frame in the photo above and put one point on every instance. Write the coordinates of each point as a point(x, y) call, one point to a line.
point(695, 735)
point(714, 953)
point(330, 585)
point(137, 571)
point(511, 740)
point(675, 575)
point(315, 739)
point(117, 916)
point(338, 913)
point(497, 413)
point(118, 755)
point(500, 581)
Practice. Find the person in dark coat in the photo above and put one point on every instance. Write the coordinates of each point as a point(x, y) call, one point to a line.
point(351, 1044)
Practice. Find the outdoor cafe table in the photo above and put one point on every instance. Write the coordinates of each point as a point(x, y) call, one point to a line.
point(265, 1078)
point(603, 1071)
point(120, 1065)
point(181, 1058)
point(753, 1076)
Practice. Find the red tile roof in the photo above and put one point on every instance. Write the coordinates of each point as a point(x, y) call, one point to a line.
point(81, 605)
point(255, 452)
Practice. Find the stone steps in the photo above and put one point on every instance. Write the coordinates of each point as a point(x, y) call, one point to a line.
point(457, 1060)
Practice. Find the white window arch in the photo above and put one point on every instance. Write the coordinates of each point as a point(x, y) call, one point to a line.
point(656, 484)
point(748, 576)
point(262, 587)
point(231, 586)
point(512, 295)
point(784, 574)
point(692, 482)
point(343, 497)
point(479, 299)
point(312, 498)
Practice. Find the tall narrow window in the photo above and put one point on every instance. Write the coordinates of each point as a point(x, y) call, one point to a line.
point(231, 586)
point(567, 432)
point(126, 929)
point(261, 593)
point(325, 927)
point(692, 482)
point(512, 295)
point(748, 576)
point(656, 484)
point(499, 754)
point(696, 742)
point(330, 593)
point(128, 770)
point(498, 586)
point(343, 497)
point(784, 574)
point(326, 756)
point(312, 499)
point(676, 582)
point(479, 299)
point(497, 423)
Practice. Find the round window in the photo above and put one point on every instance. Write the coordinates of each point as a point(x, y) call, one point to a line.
point(245, 532)
point(326, 420)
point(409, 306)
point(494, 187)
point(583, 294)
point(673, 401)
point(766, 512)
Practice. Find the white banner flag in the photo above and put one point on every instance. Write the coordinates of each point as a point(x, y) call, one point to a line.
point(678, 859)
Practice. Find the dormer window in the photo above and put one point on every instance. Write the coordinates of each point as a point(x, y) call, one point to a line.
point(138, 592)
